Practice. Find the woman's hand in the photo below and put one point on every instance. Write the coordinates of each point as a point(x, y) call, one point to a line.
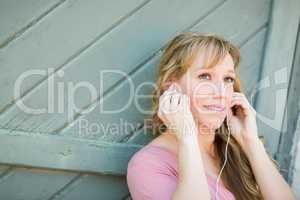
point(174, 111)
point(243, 125)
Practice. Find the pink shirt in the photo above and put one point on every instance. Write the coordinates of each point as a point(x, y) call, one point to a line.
point(152, 174)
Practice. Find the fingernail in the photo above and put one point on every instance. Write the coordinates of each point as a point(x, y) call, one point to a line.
point(172, 87)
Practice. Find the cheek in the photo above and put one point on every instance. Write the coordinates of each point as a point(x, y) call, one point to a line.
point(186, 87)
point(229, 95)
point(200, 95)
point(183, 85)
point(203, 89)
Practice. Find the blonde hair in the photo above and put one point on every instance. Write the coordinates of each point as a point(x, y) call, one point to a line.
point(178, 55)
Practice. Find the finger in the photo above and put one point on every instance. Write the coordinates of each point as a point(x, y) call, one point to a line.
point(185, 103)
point(244, 106)
point(245, 100)
point(174, 102)
point(240, 97)
point(170, 90)
point(180, 99)
point(238, 94)
point(164, 103)
point(238, 102)
point(167, 93)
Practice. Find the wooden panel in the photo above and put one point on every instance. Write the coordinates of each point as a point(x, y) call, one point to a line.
point(289, 138)
point(18, 179)
point(57, 39)
point(3, 168)
point(95, 187)
point(127, 47)
point(50, 154)
point(17, 16)
point(28, 183)
point(275, 75)
point(144, 74)
point(127, 120)
point(75, 72)
point(55, 152)
point(236, 20)
point(74, 38)
point(252, 55)
point(46, 184)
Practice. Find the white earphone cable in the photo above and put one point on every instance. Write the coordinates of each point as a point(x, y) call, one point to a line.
point(219, 176)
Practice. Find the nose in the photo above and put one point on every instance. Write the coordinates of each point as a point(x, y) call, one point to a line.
point(219, 90)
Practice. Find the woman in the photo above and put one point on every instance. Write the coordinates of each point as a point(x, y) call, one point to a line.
point(207, 145)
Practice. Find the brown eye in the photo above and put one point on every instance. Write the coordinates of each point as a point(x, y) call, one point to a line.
point(204, 76)
point(229, 79)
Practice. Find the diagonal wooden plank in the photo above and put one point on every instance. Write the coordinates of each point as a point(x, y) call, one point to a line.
point(64, 188)
point(124, 186)
point(62, 32)
point(31, 183)
point(93, 187)
point(131, 114)
point(5, 172)
point(78, 187)
point(77, 193)
point(102, 56)
point(42, 124)
point(3, 169)
point(252, 56)
point(18, 16)
point(236, 18)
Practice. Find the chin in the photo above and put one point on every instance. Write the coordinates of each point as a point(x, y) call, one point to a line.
point(210, 122)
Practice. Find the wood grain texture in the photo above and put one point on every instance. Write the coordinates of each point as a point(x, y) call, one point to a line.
point(55, 152)
point(81, 38)
point(57, 39)
point(276, 71)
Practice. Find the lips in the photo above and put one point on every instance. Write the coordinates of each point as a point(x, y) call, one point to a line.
point(215, 107)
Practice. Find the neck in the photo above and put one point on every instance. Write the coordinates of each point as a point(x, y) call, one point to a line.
point(206, 138)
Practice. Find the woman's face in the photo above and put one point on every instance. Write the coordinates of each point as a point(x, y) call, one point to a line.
point(210, 91)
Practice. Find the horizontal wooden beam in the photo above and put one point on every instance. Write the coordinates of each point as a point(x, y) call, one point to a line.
point(57, 152)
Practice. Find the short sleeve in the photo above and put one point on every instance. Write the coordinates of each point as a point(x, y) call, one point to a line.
point(149, 178)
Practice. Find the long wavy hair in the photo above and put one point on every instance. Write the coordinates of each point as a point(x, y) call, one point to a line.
point(177, 56)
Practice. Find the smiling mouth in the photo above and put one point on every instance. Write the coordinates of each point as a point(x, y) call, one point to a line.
point(216, 108)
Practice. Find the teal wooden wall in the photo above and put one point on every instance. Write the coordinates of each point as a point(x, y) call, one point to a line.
point(47, 156)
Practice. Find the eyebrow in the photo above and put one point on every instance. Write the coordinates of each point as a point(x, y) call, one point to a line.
point(207, 69)
point(231, 71)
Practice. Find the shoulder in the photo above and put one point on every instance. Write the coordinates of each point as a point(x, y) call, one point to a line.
point(150, 157)
point(151, 174)
point(166, 141)
point(155, 154)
